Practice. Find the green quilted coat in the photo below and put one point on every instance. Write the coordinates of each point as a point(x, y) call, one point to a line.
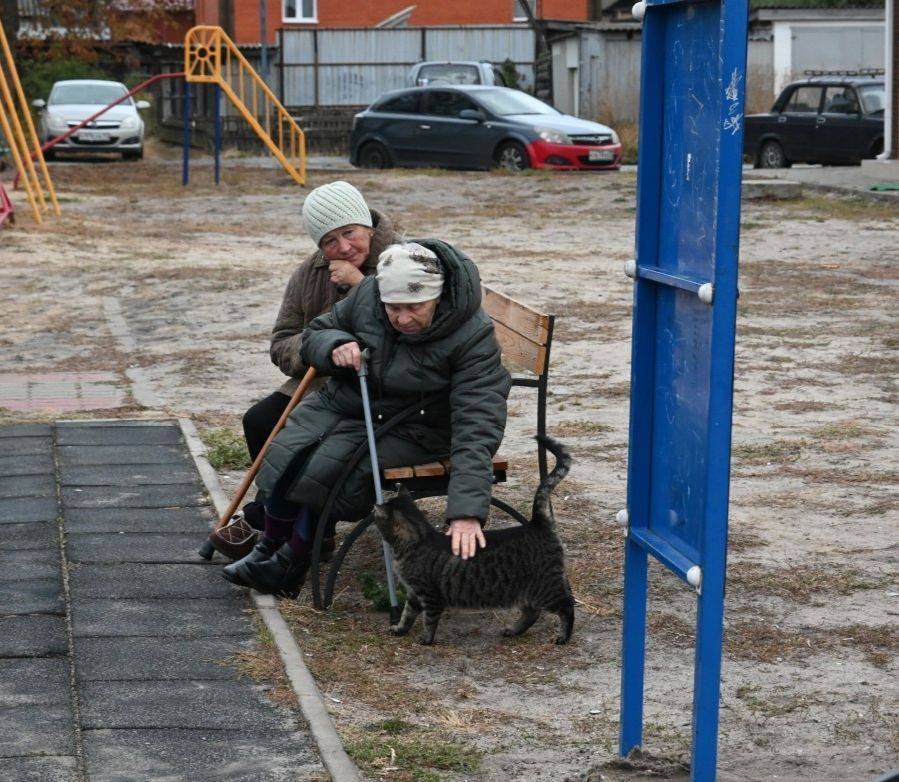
point(457, 357)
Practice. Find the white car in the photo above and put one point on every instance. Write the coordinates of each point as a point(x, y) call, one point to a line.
point(120, 129)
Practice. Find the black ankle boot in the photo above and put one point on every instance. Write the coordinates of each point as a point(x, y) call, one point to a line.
point(262, 551)
point(283, 574)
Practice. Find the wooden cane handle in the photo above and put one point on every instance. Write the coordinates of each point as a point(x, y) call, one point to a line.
point(247, 481)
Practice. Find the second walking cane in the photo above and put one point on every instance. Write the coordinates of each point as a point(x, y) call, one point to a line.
point(376, 475)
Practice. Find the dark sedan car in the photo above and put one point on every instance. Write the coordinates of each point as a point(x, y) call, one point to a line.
point(819, 120)
point(477, 126)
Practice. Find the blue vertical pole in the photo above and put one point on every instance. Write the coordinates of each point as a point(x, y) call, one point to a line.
point(633, 648)
point(218, 133)
point(185, 158)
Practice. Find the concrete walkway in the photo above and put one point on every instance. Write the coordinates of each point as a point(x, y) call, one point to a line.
point(112, 632)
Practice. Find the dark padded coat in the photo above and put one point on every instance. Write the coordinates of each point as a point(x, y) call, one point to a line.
point(457, 356)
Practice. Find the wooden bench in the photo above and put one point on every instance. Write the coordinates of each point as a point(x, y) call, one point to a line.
point(525, 336)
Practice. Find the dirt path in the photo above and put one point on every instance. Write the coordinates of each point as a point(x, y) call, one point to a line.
point(810, 675)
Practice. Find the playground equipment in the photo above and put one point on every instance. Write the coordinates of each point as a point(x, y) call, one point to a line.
point(211, 57)
point(685, 273)
point(24, 147)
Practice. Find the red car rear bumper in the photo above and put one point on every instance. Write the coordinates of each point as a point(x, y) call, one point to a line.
point(571, 157)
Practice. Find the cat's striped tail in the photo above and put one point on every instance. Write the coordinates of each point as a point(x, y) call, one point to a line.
point(543, 510)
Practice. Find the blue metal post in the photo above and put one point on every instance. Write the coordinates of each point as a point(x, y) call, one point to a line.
point(218, 133)
point(633, 648)
point(185, 158)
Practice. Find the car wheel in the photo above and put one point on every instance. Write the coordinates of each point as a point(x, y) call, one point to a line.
point(138, 155)
point(375, 155)
point(771, 155)
point(50, 154)
point(512, 156)
point(876, 148)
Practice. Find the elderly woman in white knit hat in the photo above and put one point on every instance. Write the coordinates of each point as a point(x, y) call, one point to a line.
point(435, 360)
point(349, 237)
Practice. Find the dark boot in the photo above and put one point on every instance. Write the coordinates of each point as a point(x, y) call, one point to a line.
point(262, 551)
point(283, 574)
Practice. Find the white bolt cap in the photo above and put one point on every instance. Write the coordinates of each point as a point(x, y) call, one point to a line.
point(706, 292)
point(630, 268)
point(694, 576)
point(621, 517)
point(638, 10)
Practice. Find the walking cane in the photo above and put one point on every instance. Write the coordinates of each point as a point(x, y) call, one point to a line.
point(207, 550)
point(376, 475)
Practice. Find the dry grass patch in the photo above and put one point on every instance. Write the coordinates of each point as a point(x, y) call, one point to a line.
point(834, 207)
point(263, 665)
point(799, 582)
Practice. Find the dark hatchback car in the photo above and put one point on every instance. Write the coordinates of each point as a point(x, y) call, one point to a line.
point(824, 119)
point(477, 126)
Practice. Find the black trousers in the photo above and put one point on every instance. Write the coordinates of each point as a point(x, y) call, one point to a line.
point(260, 419)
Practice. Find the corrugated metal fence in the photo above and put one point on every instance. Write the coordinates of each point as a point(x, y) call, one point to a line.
point(352, 67)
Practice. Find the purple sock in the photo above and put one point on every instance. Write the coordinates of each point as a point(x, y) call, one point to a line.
point(301, 537)
point(276, 528)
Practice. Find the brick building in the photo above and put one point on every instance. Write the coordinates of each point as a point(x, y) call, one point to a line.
point(240, 18)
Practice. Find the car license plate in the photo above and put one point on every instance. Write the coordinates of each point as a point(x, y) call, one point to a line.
point(93, 135)
point(601, 156)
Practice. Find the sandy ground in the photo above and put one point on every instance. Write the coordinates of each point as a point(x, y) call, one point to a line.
point(810, 679)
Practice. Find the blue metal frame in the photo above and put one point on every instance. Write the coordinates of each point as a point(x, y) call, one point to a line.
point(185, 139)
point(688, 214)
point(217, 133)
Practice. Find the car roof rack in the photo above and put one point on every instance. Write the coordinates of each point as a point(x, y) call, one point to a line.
point(872, 72)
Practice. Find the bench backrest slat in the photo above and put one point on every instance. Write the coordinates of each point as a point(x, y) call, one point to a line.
point(522, 332)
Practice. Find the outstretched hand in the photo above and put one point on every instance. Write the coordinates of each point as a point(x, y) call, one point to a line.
point(348, 356)
point(466, 534)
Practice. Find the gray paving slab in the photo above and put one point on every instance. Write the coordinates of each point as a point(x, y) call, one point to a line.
point(40, 596)
point(148, 581)
point(128, 474)
point(34, 681)
point(21, 564)
point(33, 535)
point(100, 659)
point(179, 495)
point(103, 435)
point(25, 430)
point(39, 769)
point(33, 636)
point(103, 618)
point(121, 454)
point(163, 520)
point(23, 509)
point(177, 704)
point(26, 446)
point(150, 547)
point(199, 756)
point(36, 730)
point(27, 486)
point(36, 464)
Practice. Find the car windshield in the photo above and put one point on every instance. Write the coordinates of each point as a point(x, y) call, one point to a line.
point(873, 97)
point(94, 94)
point(504, 102)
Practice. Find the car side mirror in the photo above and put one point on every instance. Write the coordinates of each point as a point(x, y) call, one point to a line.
point(38, 103)
point(473, 114)
point(143, 104)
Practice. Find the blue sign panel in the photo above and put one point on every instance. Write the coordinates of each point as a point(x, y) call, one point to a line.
point(685, 272)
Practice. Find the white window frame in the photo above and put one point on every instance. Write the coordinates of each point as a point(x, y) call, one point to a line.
point(300, 19)
point(517, 15)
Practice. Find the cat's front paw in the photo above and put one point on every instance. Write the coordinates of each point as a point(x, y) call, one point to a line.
point(508, 632)
point(561, 640)
point(398, 629)
point(425, 641)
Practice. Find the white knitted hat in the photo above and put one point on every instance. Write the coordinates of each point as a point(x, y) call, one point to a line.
point(333, 206)
point(408, 274)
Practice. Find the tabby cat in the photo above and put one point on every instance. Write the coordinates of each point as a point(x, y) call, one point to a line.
point(521, 566)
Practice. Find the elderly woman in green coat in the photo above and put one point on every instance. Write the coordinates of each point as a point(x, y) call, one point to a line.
point(422, 320)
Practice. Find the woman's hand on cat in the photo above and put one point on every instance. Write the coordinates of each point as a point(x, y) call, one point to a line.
point(466, 534)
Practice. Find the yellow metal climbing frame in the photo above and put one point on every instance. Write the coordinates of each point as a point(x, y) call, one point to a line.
point(18, 129)
point(211, 57)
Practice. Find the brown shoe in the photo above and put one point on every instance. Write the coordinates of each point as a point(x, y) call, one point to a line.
point(236, 539)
